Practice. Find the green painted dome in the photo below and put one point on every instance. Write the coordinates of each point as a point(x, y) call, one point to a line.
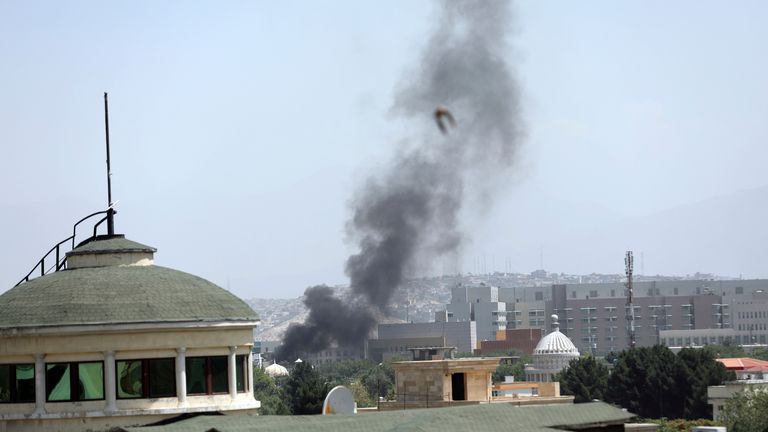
point(118, 294)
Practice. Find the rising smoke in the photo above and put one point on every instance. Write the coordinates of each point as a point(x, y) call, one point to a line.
point(410, 215)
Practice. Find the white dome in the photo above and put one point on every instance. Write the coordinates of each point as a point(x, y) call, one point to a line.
point(276, 370)
point(556, 343)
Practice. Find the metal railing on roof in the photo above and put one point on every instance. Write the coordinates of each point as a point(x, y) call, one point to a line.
point(60, 262)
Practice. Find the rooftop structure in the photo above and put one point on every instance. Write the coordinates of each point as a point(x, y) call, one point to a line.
point(552, 354)
point(437, 383)
point(275, 370)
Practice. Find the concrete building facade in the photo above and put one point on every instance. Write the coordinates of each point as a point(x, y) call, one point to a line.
point(521, 340)
point(459, 334)
point(479, 304)
point(419, 383)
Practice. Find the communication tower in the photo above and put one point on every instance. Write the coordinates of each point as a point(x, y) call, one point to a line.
point(629, 265)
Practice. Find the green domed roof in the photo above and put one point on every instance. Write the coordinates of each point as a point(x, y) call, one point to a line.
point(119, 294)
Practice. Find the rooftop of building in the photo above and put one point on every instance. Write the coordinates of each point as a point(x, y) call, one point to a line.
point(744, 363)
point(116, 243)
point(501, 416)
point(117, 294)
point(556, 343)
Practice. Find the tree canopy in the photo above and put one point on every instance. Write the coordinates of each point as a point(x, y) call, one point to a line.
point(305, 390)
point(586, 379)
point(267, 391)
point(746, 412)
point(653, 382)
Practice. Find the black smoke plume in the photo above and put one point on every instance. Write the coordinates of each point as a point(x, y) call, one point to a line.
point(409, 215)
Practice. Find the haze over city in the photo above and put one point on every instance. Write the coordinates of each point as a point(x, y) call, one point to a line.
point(241, 132)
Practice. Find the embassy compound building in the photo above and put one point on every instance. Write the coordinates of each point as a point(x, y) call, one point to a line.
point(594, 316)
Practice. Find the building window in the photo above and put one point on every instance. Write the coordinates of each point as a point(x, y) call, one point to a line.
point(573, 294)
point(739, 290)
point(241, 365)
point(207, 375)
point(147, 378)
point(613, 293)
point(74, 381)
point(17, 383)
point(539, 295)
point(593, 293)
point(675, 291)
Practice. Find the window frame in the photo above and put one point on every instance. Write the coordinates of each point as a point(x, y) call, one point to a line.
point(146, 379)
point(74, 375)
point(242, 359)
point(208, 375)
point(12, 381)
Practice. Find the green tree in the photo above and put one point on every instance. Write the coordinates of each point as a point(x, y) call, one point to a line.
point(516, 369)
point(760, 353)
point(746, 412)
point(305, 390)
point(699, 370)
point(586, 379)
point(360, 394)
point(655, 383)
point(345, 372)
point(266, 391)
point(727, 350)
point(379, 381)
point(644, 382)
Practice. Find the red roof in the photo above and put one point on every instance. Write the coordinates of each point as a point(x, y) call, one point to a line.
point(742, 363)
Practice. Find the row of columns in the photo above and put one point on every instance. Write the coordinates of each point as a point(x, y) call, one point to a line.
point(110, 383)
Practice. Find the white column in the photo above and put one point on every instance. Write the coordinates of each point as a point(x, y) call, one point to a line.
point(232, 372)
point(181, 375)
point(249, 387)
point(39, 384)
point(110, 390)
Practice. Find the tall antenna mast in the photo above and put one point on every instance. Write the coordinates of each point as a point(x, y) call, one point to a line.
point(110, 208)
point(629, 265)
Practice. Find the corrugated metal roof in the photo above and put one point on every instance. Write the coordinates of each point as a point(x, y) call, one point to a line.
point(490, 417)
point(739, 363)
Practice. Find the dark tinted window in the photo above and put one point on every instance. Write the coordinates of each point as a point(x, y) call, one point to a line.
point(162, 377)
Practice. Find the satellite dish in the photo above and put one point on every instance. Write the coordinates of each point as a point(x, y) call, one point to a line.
point(339, 401)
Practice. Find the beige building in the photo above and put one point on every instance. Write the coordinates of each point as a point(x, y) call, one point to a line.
point(433, 383)
point(443, 382)
point(113, 340)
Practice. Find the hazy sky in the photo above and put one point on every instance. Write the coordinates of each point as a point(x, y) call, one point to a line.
point(240, 130)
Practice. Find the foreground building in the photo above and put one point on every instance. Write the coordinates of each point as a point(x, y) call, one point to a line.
point(113, 340)
point(587, 417)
